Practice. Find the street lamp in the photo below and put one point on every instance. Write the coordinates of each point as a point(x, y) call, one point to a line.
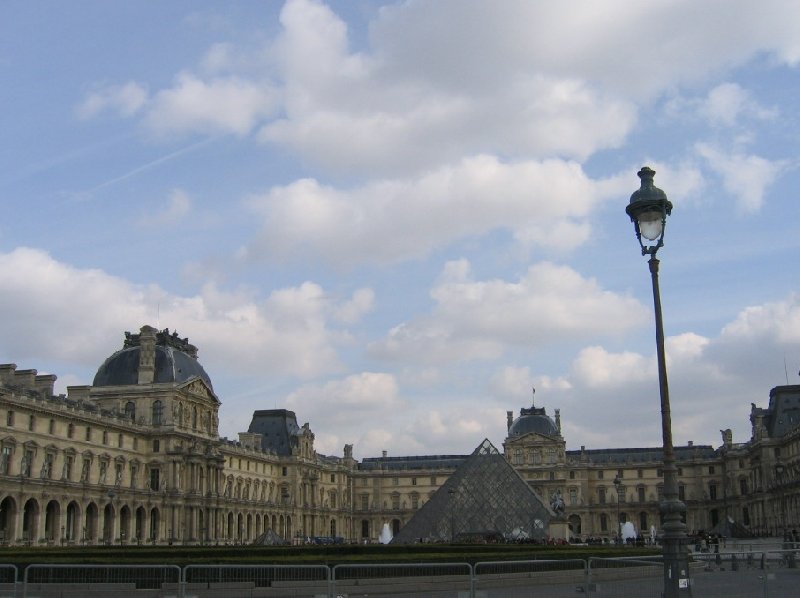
point(617, 484)
point(648, 210)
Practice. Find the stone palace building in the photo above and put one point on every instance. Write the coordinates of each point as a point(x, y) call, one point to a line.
point(136, 458)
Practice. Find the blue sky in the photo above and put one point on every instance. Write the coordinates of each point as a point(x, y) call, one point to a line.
point(397, 218)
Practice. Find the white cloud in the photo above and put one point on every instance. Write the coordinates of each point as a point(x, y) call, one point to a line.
point(230, 105)
point(126, 100)
point(511, 382)
point(728, 101)
point(595, 367)
point(77, 315)
point(354, 398)
point(746, 177)
point(393, 220)
point(177, 208)
point(726, 105)
point(778, 321)
point(361, 303)
point(480, 319)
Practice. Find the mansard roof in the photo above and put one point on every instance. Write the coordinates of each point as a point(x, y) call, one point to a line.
point(623, 456)
point(278, 429)
point(426, 462)
point(175, 361)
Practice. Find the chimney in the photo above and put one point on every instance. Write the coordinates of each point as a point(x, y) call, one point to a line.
point(147, 354)
point(45, 385)
point(385, 453)
point(509, 419)
point(7, 373)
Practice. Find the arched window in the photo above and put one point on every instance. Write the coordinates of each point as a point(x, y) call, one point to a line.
point(158, 413)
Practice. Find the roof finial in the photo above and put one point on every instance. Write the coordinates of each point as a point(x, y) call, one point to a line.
point(533, 396)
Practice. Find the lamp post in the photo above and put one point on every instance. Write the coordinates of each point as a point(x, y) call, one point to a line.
point(648, 210)
point(617, 484)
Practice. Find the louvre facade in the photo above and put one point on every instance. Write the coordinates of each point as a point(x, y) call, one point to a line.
point(136, 457)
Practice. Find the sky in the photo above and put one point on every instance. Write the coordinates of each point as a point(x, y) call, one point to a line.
point(398, 218)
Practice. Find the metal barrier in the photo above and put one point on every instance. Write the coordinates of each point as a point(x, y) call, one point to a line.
point(630, 577)
point(770, 573)
point(550, 577)
point(416, 579)
point(227, 581)
point(121, 581)
point(8, 581)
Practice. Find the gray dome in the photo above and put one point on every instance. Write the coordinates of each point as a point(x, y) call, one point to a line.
point(175, 361)
point(534, 419)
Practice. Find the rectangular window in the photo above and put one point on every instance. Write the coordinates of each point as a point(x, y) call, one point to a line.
point(601, 495)
point(31, 423)
point(640, 473)
point(620, 473)
point(641, 492)
point(600, 475)
point(155, 482)
point(682, 492)
point(413, 481)
point(67, 473)
point(5, 461)
point(10, 419)
point(433, 480)
point(711, 469)
point(712, 491)
point(365, 502)
point(52, 427)
point(573, 496)
point(571, 475)
point(396, 502)
point(395, 481)
point(333, 478)
point(88, 436)
point(285, 471)
point(105, 437)
point(156, 446)
point(120, 441)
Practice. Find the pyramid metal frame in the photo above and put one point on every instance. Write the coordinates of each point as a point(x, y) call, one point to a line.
point(484, 498)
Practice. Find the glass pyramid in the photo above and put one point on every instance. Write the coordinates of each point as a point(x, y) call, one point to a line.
point(484, 500)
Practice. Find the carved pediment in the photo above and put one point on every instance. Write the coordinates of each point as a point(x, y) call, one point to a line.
point(199, 388)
